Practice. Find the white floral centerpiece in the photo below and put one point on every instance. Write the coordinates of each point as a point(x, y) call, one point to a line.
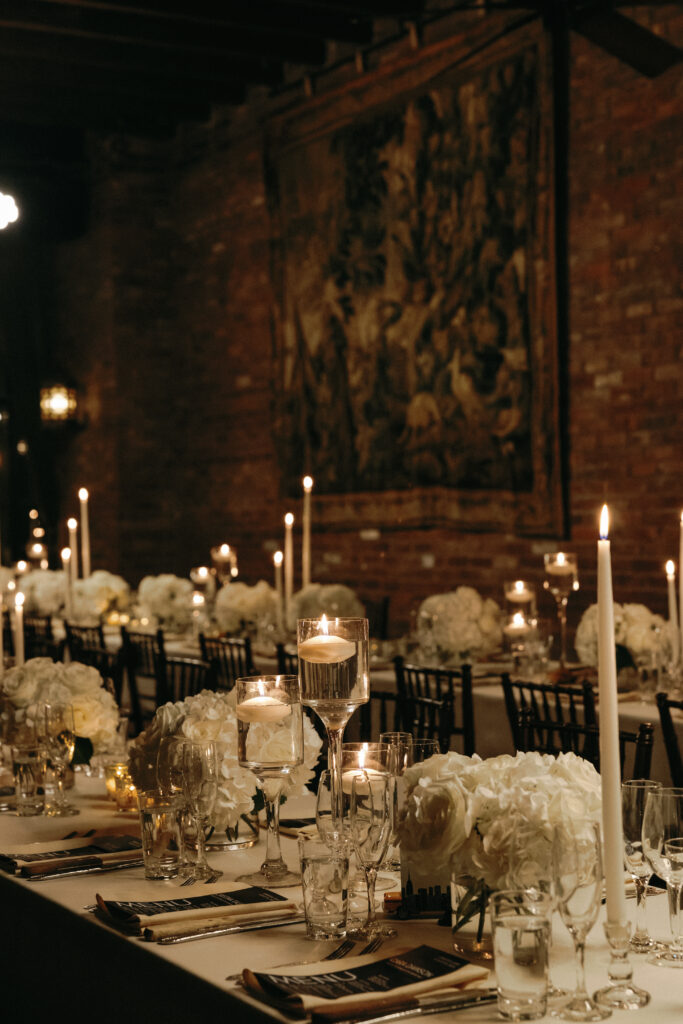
point(211, 716)
point(332, 599)
point(459, 626)
point(240, 608)
point(637, 631)
point(99, 595)
point(43, 681)
point(460, 815)
point(44, 591)
point(165, 601)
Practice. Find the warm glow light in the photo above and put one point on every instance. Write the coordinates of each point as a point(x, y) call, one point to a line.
point(57, 403)
point(518, 619)
point(604, 522)
point(202, 572)
point(560, 557)
point(197, 598)
point(36, 549)
point(11, 585)
point(9, 211)
point(324, 624)
point(22, 566)
point(19, 599)
point(33, 514)
point(519, 586)
point(83, 494)
point(670, 569)
point(308, 483)
point(39, 532)
point(225, 550)
point(66, 554)
point(72, 523)
point(277, 558)
point(289, 519)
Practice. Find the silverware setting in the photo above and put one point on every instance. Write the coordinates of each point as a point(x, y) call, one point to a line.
point(340, 951)
point(213, 877)
point(463, 1001)
point(209, 931)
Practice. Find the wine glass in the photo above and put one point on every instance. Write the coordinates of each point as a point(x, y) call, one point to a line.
point(335, 680)
point(370, 820)
point(60, 742)
point(634, 795)
point(561, 578)
point(270, 738)
point(662, 824)
point(200, 788)
point(577, 876)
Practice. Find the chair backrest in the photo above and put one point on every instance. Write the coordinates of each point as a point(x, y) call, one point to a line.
point(79, 638)
point(415, 682)
point(178, 678)
point(287, 661)
point(230, 657)
point(552, 705)
point(138, 651)
point(110, 666)
point(673, 751)
point(7, 633)
point(377, 614)
point(39, 641)
point(379, 714)
point(584, 740)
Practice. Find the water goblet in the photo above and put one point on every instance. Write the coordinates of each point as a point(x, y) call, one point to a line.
point(200, 787)
point(370, 820)
point(335, 680)
point(634, 795)
point(662, 825)
point(561, 578)
point(60, 743)
point(577, 875)
point(270, 738)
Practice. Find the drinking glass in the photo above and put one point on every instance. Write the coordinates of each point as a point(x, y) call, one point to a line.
point(60, 741)
point(561, 578)
point(335, 680)
point(169, 774)
point(370, 819)
point(422, 750)
point(577, 874)
point(662, 824)
point(200, 788)
point(400, 753)
point(634, 795)
point(521, 938)
point(270, 742)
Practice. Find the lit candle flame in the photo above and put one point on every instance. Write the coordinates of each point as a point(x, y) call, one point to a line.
point(277, 558)
point(518, 619)
point(670, 569)
point(83, 494)
point(66, 554)
point(225, 550)
point(289, 519)
point(604, 523)
point(72, 523)
point(519, 586)
point(560, 557)
point(19, 599)
point(324, 624)
point(202, 572)
point(308, 483)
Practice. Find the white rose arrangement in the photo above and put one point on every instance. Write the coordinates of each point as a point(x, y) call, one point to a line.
point(461, 813)
point(101, 593)
point(44, 591)
point(332, 599)
point(43, 681)
point(166, 601)
point(239, 607)
point(211, 715)
point(459, 626)
point(636, 629)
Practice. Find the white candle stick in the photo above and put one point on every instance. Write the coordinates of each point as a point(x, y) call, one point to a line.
point(289, 564)
point(277, 563)
point(19, 628)
point(68, 602)
point(610, 766)
point(85, 532)
point(673, 611)
point(72, 525)
point(306, 541)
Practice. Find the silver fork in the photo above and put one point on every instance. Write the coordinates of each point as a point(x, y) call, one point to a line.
point(337, 953)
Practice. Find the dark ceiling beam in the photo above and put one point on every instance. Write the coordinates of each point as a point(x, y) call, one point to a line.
point(193, 38)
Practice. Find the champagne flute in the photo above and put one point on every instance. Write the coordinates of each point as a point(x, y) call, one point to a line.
point(60, 741)
point(270, 738)
point(577, 875)
point(561, 578)
point(335, 680)
point(662, 824)
point(370, 819)
point(400, 755)
point(200, 787)
point(634, 795)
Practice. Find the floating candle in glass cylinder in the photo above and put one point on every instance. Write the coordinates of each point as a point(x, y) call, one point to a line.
point(263, 706)
point(516, 626)
point(519, 592)
point(364, 762)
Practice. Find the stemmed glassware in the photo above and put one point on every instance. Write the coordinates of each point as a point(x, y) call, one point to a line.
point(400, 757)
point(335, 680)
point(577, 874)
point(270, 738)
point(370, 819)
point(662, 840)
point(60, 742)
point(200, 788)
point(561, 578)
point(634, 795)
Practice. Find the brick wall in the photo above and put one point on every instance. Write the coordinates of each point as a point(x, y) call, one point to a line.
point(165, 309)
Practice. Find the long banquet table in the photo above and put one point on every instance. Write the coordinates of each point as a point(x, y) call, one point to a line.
point(56, 958)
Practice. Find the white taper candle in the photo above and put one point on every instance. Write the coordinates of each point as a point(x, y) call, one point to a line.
point(83, 497)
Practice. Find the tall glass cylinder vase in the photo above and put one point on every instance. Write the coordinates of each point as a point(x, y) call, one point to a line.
point(335, 680)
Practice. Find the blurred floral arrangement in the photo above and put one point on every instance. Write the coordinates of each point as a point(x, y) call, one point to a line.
point(165, 601)
point(6, 576)
point(211, 716)
point(332, 599)
point(44, 591)
point(637, 631)
point(43, 681)
point(101, 593)
point(459, 626)
point(240, 608)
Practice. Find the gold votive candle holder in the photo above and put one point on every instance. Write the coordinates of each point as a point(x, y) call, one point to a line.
point(113, 771)
point(126, 794)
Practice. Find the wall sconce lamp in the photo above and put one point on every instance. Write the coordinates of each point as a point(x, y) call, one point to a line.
point(58, 404)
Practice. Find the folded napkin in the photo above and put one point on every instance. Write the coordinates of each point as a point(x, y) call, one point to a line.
point(294, 827)
point(98, 852)
point(365, 984)
point(218, 905)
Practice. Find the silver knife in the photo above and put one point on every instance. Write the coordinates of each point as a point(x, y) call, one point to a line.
point(81, 871)
point(234, 929)
point(464, 1001)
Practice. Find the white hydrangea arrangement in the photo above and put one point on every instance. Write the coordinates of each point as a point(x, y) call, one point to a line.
point(165, 601)
point(636, 628)
point(240, 608)
point(101, 593)
point(43, 681)
point(461, 813)
point(44, 591)
point(459, 626)
point(332, 599)
point(211, 716)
